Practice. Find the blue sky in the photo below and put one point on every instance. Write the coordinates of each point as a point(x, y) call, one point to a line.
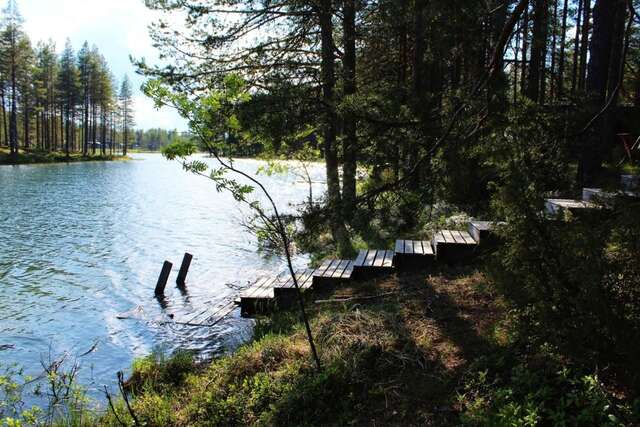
point(117, 27)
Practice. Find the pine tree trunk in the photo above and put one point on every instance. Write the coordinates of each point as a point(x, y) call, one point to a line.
point(62, 132)
point(4, 117)
point(602, 41)
point(85, 124)
point(535, 82)
point(25, 125)
point(94, 128)
point(419, 95)
point(615, 78)
point(13, 122)
point(584, 47)
point(554, 46)
point(68, 131)
point(39, 144)
point(576, 52)
point(350, 141)
point(563, 44)
point(338, 228)
point(54, 129)
point(525, 48)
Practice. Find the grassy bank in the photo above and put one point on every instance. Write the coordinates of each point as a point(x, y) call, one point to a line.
point(33, 157)
point(409, 350)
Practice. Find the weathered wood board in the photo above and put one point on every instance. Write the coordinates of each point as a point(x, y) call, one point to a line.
point(333, 272)
point(453, 246)
point(413, 254)
point(373, 262)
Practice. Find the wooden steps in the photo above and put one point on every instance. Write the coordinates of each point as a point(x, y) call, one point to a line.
point(483, 232)
point(284, 291)
point(372, 262)
point(258, 297)
point(413, 254)
point(594, 194)
point(333, 272)
point(266, 293)
point(447, 246)
point(452, 246)
point(560, 206)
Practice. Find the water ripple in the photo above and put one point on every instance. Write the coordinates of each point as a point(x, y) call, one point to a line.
point(80, 244)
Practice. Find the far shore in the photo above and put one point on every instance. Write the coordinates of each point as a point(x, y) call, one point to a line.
point(38, 157)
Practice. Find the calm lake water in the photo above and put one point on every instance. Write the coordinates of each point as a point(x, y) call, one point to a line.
point(81, 247)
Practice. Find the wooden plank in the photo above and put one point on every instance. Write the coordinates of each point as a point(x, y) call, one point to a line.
point(338, 273)
point(371, 256)
point(247, 293)
point(348, 272)
point(457, 237)
point(301, 275)
point(417, 247)
point(308, 281)
point(323, 268)
point(448, 237)
point(388, 260)
point(399, 246)
point(380, 255)
point(439, 237)
point(469, 240)
point(359, 262)
point(331, 270)
point(428, 249)
point(264, 290)
point(287, 283)
point(408, 247)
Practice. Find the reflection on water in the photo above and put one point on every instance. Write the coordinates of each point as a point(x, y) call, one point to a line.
point(81, 247)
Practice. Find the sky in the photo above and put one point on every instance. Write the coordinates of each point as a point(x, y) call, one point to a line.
point(117, 27)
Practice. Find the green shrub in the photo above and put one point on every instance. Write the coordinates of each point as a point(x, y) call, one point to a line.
point(573, 281)
point(545, 393)
point(158, 370)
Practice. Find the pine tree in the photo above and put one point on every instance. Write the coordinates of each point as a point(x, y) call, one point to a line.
point(46, 79)
point(126, 112)
point(11, 39)
point(84, 68)
point(26, 68)
point(68, 86)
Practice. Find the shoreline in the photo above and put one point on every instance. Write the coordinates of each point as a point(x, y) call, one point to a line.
point(44, 157)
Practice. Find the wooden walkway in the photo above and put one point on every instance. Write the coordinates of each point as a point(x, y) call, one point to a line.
point(267, 293)
point(558, 206)
point(333, 272)
point(453, 246)
point(446, 246)
point(413, 254)
point(372, 262)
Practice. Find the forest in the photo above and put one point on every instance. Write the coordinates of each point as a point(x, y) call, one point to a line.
point(425, 111)
point(426, 115)
point(60, 101)
point(416, 91)
point(155, 139)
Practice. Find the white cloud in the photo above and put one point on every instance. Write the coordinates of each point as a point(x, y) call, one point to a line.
point(117, 27)
point(148, 117)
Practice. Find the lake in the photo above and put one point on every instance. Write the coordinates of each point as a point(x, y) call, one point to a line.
point(81, 248)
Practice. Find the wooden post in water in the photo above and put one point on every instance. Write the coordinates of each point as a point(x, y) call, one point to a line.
point(164, 277)
point(184, 269)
